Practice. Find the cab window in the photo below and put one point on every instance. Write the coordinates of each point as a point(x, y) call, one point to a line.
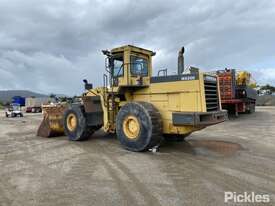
point(139, 66)
point(118, 66)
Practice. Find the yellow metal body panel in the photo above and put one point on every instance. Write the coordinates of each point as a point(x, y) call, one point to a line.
point(178, 96)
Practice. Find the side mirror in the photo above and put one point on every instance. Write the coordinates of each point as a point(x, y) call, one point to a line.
point(87, 85)
point(182, 50)
point(106, 53)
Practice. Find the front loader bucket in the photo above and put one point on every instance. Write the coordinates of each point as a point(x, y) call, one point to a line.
point(52, 124)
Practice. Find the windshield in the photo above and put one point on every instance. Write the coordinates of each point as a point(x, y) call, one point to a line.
point(139, 66)
point(16, 107)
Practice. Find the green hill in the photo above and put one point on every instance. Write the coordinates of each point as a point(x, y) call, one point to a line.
point(6, 95)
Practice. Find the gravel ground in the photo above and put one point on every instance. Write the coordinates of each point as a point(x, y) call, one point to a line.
point(237, 156)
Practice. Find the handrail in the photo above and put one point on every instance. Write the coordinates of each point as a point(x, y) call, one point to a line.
point(164, 72)
point(105, 87)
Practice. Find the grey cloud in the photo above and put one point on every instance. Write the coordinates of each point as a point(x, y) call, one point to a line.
point(50, 46)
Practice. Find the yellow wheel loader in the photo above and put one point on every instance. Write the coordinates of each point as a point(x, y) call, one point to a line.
point(140, 108)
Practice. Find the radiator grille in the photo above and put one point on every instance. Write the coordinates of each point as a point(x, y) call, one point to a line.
point(211, 93)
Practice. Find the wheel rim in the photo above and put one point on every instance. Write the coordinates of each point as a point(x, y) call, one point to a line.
point(131, 127)
point(71, 122)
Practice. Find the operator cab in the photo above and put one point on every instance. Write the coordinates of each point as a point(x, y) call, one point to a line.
point(129, 66)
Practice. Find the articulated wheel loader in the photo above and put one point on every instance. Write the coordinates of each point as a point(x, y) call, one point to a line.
point(140, 108)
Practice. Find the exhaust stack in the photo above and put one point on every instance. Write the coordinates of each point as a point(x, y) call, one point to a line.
point(181, 61)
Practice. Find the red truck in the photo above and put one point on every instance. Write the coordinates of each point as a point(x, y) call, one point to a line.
point(237, 92)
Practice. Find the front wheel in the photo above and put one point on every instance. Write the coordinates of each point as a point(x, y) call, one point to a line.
point(75, 125)
point(139, 126)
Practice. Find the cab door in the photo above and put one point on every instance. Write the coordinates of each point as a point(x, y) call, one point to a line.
point(139, 70)
point(118, 70)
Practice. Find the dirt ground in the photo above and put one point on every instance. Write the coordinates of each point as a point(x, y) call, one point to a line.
point(237, 156)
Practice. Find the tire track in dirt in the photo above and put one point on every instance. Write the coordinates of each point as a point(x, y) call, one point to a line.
point(139, 186)
point(5, 196)
point(221, 179)
point(94, 160)
point(44, 171)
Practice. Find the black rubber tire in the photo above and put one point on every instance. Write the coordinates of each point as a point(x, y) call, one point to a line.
point(150, 121)
point(252, 108)
point(82, 131)
point(21, 115)
point(175, 137)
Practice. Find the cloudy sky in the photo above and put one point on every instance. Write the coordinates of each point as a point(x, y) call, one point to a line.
point(51, 45)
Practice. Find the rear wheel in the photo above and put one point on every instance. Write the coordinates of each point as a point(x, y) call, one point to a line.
point(139, 126)
point(252, 108)
point(75, 125)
